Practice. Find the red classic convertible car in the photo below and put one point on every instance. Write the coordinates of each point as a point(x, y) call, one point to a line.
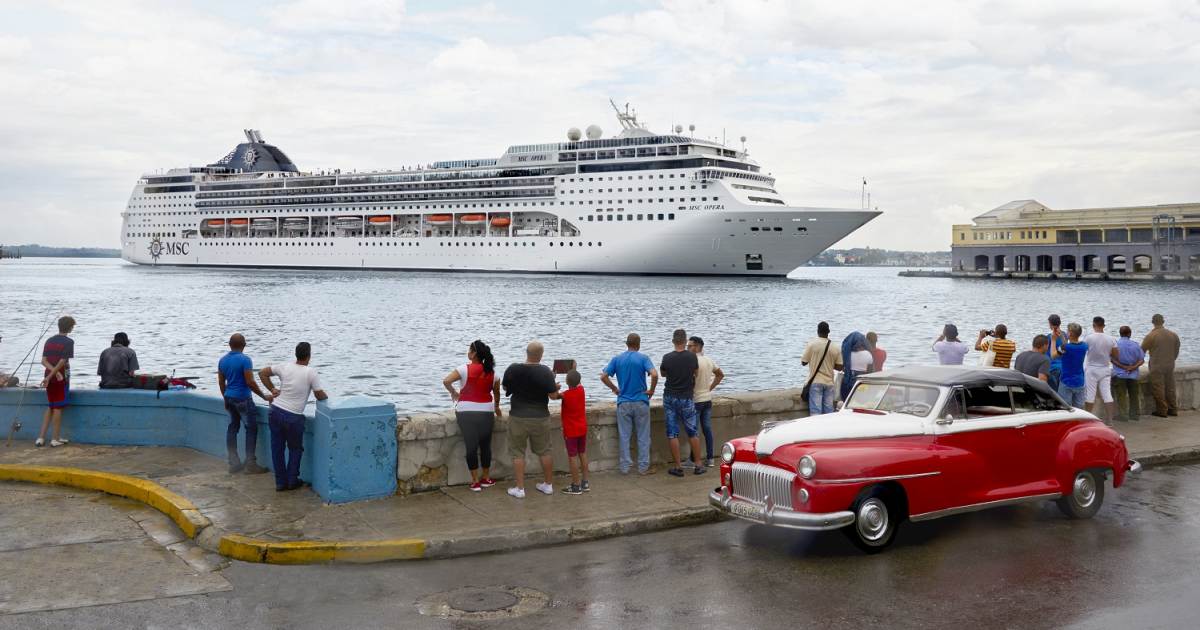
point(920, 443)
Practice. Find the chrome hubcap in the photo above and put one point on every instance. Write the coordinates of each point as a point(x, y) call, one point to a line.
point(872, 520)
point(1085, 490)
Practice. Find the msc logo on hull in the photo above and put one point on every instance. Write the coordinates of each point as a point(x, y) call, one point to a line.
point(159, 248)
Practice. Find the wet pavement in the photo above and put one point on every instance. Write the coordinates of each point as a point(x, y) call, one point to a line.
point(1134, 565)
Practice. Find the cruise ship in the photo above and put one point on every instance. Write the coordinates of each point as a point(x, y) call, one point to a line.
point(637, 203)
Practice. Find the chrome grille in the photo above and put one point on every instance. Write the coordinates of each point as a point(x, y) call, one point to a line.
point(752, 482)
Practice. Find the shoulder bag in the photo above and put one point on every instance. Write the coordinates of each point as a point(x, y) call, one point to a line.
point(816, 368)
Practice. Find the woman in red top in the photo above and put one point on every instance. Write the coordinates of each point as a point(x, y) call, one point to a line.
point(476, 407)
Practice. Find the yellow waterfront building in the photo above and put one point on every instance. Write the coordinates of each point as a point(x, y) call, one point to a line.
point(1027, 236)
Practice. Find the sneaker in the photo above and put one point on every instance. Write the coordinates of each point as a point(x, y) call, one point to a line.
point(649, 471)
point(709, 463)
point(687, 463)
point(235, 468)
point(251, 468)
point(585, 486)
point(39, 442)
point(487, 482)
point(517, 492)
point(700, 470)
point(476, 487)
point(571, 489)
point(678, 472)
point(545, 488)
point(54, 443)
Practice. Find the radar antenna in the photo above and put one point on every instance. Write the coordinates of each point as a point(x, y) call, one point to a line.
point(628, 120)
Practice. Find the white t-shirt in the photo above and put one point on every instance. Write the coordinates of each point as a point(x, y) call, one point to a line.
point(950, 352)
point(295, 383)
point(704, 378)
point(1100, 347)
point(861, 361)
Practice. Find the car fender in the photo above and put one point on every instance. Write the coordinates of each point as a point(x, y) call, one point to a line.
point(1091, 445)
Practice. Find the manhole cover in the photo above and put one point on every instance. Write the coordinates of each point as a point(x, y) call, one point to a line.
point(482, 603)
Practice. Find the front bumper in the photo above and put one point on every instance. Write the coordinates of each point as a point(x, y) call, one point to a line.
point(780, 517)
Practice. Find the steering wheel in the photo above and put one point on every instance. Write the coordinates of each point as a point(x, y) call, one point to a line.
point(915, 408)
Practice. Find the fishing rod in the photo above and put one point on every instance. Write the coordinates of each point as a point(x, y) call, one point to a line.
point(16, 421)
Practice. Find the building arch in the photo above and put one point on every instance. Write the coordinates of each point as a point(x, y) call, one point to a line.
point(1022, 262)
point(1116, 264)
point(998, 262)
point(1044, 262)
point(1142, 263)
point(1089, 262)
point(981, 262)
point(1066, 262)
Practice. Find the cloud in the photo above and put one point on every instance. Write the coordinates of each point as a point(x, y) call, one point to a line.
point(948, 108)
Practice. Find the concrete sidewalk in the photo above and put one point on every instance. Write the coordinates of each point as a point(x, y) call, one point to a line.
point(454, 521)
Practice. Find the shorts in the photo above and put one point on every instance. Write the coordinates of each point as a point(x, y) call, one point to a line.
point(1097, 377)
point(535, 431)
point(576, 445)
point(680, 410)
point(58, 393)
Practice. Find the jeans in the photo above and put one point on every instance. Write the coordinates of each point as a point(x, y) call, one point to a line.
point(631, 417)
point(704, 414)
point(1126, 391)
point(1055, 376)
point(1073, 395)
point(680, 411)
point(287, 429)
point(242, 412)
point(820, 399)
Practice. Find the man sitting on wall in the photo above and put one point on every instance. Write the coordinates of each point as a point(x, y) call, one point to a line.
point(118, 363)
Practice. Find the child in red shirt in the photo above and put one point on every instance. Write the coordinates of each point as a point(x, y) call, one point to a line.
point(574, 424)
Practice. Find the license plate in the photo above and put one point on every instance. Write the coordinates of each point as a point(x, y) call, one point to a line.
point(747, 510)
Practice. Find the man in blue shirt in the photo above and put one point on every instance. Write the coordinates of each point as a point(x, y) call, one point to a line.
point(1130, 357)
point(235, 377)
point(1058, 339)
point(633, 400)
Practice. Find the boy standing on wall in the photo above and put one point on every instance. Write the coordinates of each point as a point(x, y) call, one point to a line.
point(56, 359)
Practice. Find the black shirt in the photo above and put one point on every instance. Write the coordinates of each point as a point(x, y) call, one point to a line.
point(116, 362)
point(679, 368)
point(529, 386)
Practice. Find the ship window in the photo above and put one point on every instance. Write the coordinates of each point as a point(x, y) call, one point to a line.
point(671, 217)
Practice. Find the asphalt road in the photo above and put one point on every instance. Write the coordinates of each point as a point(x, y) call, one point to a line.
point(1134, 565)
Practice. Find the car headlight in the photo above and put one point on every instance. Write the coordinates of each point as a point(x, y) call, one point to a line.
point(727, 453)
point(807, 467)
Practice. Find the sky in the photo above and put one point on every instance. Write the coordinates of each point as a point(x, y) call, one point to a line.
point(947, 108)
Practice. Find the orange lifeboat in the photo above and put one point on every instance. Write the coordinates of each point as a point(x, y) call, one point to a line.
point(472, 219)
point(239, 222)
point(215, 222)
point(379, 220)
point(501, 222)
point(440, 219)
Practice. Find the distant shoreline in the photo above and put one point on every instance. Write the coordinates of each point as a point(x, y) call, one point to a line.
point(43, 251)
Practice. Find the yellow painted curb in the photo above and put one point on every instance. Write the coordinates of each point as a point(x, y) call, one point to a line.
point(249, 549)
point(178, 509)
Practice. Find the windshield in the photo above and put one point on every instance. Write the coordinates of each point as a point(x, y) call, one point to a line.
point(914, 400)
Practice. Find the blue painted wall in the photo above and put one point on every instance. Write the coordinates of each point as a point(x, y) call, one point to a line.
point(349, 443)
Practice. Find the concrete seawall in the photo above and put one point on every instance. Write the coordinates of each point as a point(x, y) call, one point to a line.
point(430, 449)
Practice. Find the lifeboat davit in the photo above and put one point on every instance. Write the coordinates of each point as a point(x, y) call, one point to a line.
point(440, 219)
point(472, 219)
point(379, 220)
point(239, 222)
point(215, 222)
point(501, 222)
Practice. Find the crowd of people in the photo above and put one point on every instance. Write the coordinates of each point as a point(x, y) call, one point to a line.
point(1081, 368)
point(689, 377)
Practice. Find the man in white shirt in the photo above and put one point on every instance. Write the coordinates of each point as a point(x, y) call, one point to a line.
point(1097, 370)
point(286, 420)
point(708, 376)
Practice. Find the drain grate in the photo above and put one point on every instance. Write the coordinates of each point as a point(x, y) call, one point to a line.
point(483, 603)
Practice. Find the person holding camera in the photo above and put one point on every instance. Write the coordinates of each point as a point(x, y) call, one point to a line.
point(997, 342)
point(949, 349)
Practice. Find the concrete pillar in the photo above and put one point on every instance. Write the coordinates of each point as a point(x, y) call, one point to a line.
point(353, 449)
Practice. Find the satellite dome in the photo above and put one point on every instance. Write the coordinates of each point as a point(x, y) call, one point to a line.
point(594, 132)
point(678, 128)
point(573, 134)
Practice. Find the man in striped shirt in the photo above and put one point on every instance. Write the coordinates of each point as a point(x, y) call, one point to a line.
point(1003, 347)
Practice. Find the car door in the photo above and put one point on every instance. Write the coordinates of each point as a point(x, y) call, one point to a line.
point(982, 450)
point(1043, 422)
